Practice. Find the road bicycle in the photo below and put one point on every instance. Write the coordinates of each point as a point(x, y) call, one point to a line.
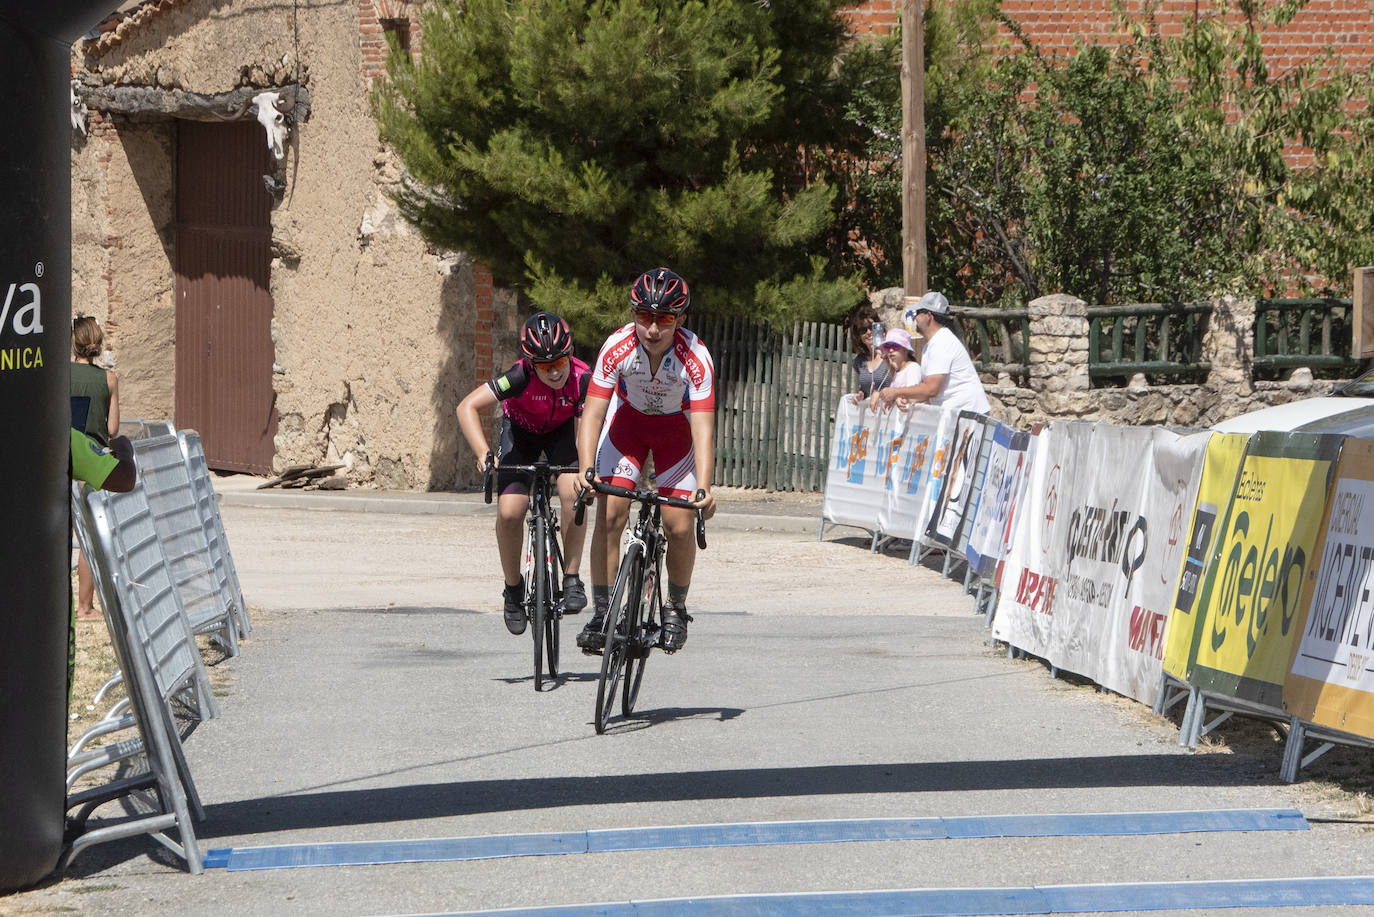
point(634, 615)
point(543, 561)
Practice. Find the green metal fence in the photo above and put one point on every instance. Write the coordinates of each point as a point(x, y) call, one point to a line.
point(1304, 332)
point(775, 400)
point(1155, 339)
point(998, 340)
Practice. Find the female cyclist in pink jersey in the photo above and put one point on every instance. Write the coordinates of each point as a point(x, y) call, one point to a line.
point(541, 397)
point(663, 380)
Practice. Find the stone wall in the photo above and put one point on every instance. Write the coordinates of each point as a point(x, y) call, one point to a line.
point(1059, 386)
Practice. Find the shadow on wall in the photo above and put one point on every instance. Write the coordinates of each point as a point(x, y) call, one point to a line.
point(456, 331)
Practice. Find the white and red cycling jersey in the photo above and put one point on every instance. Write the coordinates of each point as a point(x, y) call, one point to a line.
point(685, 380)
point(650, 414)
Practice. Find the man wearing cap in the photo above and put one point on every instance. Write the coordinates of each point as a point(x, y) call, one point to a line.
point(951, 381)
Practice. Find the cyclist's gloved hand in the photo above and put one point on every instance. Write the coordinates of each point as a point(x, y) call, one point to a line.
point(705, 502)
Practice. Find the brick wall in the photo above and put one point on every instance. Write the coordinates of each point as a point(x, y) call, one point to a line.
point(1345, 25)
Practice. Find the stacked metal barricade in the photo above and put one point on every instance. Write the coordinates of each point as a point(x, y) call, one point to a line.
point(162, 566)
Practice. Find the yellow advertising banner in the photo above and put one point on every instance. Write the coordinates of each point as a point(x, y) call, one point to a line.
point(1331, 679)
point(1251, 595)
point(1219, 469)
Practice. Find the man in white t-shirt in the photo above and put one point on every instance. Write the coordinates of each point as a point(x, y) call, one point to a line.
point(951, 381)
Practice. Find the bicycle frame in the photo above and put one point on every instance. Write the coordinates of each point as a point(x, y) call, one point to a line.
point(543, 562)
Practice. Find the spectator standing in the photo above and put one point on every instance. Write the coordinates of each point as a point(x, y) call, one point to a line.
point(871, 370)
point(951, 380)
point(95, 397)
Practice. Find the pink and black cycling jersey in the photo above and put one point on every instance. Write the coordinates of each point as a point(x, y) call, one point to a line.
point(685, 380)
point(532, 405)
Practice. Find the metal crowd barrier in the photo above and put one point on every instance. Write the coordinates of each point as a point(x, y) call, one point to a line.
point(161, 564)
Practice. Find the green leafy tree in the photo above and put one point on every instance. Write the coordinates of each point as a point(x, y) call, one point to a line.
point(571, 144)
point(1160, 168)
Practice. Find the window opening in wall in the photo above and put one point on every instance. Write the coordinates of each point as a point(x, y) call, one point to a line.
point(400, 30)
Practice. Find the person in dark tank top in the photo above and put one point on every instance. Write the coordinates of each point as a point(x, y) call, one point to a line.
point(95, 407)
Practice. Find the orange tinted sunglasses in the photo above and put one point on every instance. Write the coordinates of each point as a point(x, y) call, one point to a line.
point(650, 317)
point(552, 365)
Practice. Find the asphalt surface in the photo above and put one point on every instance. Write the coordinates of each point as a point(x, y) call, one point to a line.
point(379, 697)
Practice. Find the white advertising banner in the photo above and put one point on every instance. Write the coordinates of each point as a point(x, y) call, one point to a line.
point(854, 485)
point(1132, 651)
point(916, 451)
point(1028, 593)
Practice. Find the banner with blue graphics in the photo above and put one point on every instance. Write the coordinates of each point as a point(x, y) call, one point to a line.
point(917, 454)
point(1331, 680)
point(854, 485)
point(989, 533)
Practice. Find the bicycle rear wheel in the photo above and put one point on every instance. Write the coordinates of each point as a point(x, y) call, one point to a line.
point(619, 635)
point(647, 607)
point(540, 612)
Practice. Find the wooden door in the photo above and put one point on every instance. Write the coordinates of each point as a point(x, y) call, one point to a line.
point(223, 304)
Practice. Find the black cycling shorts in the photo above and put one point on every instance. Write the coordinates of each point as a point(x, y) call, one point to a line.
point(521, 447)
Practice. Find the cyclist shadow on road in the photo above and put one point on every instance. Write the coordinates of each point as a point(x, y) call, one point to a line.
point(642, 719)
point(557, 682)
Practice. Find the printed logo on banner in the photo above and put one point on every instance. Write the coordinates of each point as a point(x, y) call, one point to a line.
point(856, 454)
point(1147, 632)
point(1036, 591)
point(21, 316)
point(916, 460)
point(1109, 537)
point(1203, 522)
point(1051, 507)
point(1255, 576)
point(1175, 530)
point(888, 448)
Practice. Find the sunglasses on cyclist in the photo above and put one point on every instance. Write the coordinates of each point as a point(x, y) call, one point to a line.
point(552, 365)
point(648, 317)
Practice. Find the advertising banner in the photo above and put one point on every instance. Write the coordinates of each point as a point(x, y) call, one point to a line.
point(1030, 589)
point(1331, 681)
point(1220, 468)
point(915, 450)
point(1133, 648)
point(1242, 644)
point(956, 488)
point(854, 481)
point(1021, 476)
point(995, 499)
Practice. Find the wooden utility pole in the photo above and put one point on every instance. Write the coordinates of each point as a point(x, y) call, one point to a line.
point(913, 147)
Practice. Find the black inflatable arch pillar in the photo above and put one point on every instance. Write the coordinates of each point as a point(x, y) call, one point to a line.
point(35, 343)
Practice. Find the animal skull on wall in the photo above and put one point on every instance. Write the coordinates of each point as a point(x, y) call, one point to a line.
point(269, 107)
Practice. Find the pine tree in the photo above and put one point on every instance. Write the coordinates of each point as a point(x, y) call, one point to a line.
point(572, 144)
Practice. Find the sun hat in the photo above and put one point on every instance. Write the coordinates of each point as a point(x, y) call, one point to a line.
point(897, 337)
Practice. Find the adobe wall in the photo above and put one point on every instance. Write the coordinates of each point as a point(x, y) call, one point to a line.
point(376, 335)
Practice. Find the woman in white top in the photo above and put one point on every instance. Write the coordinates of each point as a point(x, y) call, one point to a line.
point(951, 381)
point(901, 362)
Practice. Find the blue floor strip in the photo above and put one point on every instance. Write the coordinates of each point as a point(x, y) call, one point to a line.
point(1331, 891)
point(372, 853)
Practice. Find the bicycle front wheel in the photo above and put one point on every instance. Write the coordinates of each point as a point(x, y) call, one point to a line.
point(553, 617)
point(619, 635)
point(540, 613)
point(646, 610)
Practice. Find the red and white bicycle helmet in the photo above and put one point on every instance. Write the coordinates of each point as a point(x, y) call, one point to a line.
point(660, 290)
point(545, 338)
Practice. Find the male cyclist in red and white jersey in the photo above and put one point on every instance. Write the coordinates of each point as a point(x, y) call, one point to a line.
point(663, 380)
point(541, 397)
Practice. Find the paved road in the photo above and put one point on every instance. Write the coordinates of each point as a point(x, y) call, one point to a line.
point(380, 698)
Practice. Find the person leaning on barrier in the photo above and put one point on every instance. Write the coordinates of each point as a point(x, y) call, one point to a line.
point(870, 369)
point(951, 380)
point(95, 390)
point(901, 362)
